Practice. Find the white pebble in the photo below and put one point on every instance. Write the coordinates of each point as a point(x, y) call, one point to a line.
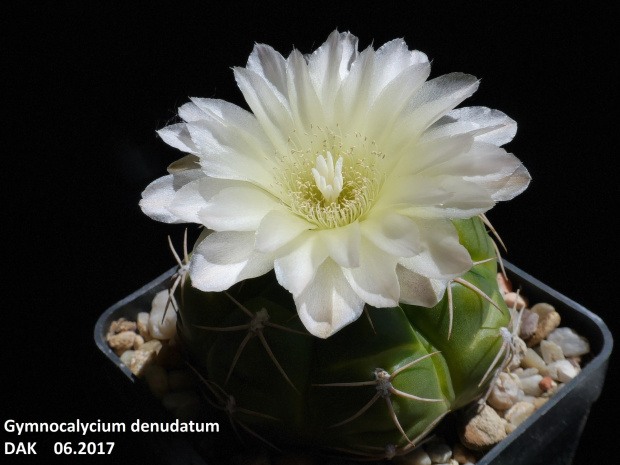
point(482, 429)
point(529, 323)
point(533, 360)
point(519, 351)
point(543, 309)
point(162, 327)
point(143, 325)
point(572, 344)
point(539, 402)
point(137, 342)
point(511, 298)
point(521, 373)
point(122, 341)
point(529, 399)
point(551, 352)
point(127, 356)
point(415, 457)
point(140, 359)
point(505, 392)
point(439, 452)
point(530, 385)
point(562, 371)
point(519, 412)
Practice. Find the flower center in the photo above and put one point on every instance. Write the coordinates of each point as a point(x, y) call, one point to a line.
point(330, 179)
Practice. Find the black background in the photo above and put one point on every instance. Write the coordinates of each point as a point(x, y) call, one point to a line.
point(88, 85)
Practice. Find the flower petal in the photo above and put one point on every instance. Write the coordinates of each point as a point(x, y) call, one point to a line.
point(416, 289)
point(270, 65)
point(390, 60)
point(510, 186)
point(434, 99)
point(328, 304)
point(304, 102)
point(278, 228)
point(239, 208)
point(493, 126)
point(482, 162)
point(469, 199)
point(393, 233)
point(228, 152)
point(393, 98)
point(178, 136)
point(329, 65)
point(375, 280)
point(343, 244)
point(297, 265)
point(443, 257)
point(158, 195)
point(351, 105)
point(221, 259)
point(269, 106)
point(190, 199)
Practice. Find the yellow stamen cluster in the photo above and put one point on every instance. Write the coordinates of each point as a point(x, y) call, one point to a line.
point(362, 176)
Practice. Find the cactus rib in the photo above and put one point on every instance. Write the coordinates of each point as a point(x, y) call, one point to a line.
point(383, 384)
point(255, 328)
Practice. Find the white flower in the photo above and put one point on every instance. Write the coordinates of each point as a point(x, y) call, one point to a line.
point(344, 178)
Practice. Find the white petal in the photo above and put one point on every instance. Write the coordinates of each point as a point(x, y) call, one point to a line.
point(278, 228)
point(229, 152)
point(269, 64)
point(239, 208)
point(304, 102)
point(328, 304)
point(329, 65)
point(468, 200)
point(443, 256)
point(509, 187)
point(158, 195)
point(177, 135)
point(482, 162)
point(430, 154)
point(433, 100)
point(193, 197)
point(375, 280)
point(393, 98)
point(343, 244)
point(222, 259)
point(231, 115)
point(269, 106)
point(497, 128)
point(393, 233)
point(416, 289)
point(351, 105)
point(297, 265)
point(188, 202)
point(391, 59)
point(190, 112)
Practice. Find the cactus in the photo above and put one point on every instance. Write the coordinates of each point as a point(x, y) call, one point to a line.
point(353, 184)
point(375, 388)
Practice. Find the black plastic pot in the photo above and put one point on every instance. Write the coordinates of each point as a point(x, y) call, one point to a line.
point(548, 437)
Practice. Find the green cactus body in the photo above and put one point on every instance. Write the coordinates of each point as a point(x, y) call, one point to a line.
point(349, 392)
